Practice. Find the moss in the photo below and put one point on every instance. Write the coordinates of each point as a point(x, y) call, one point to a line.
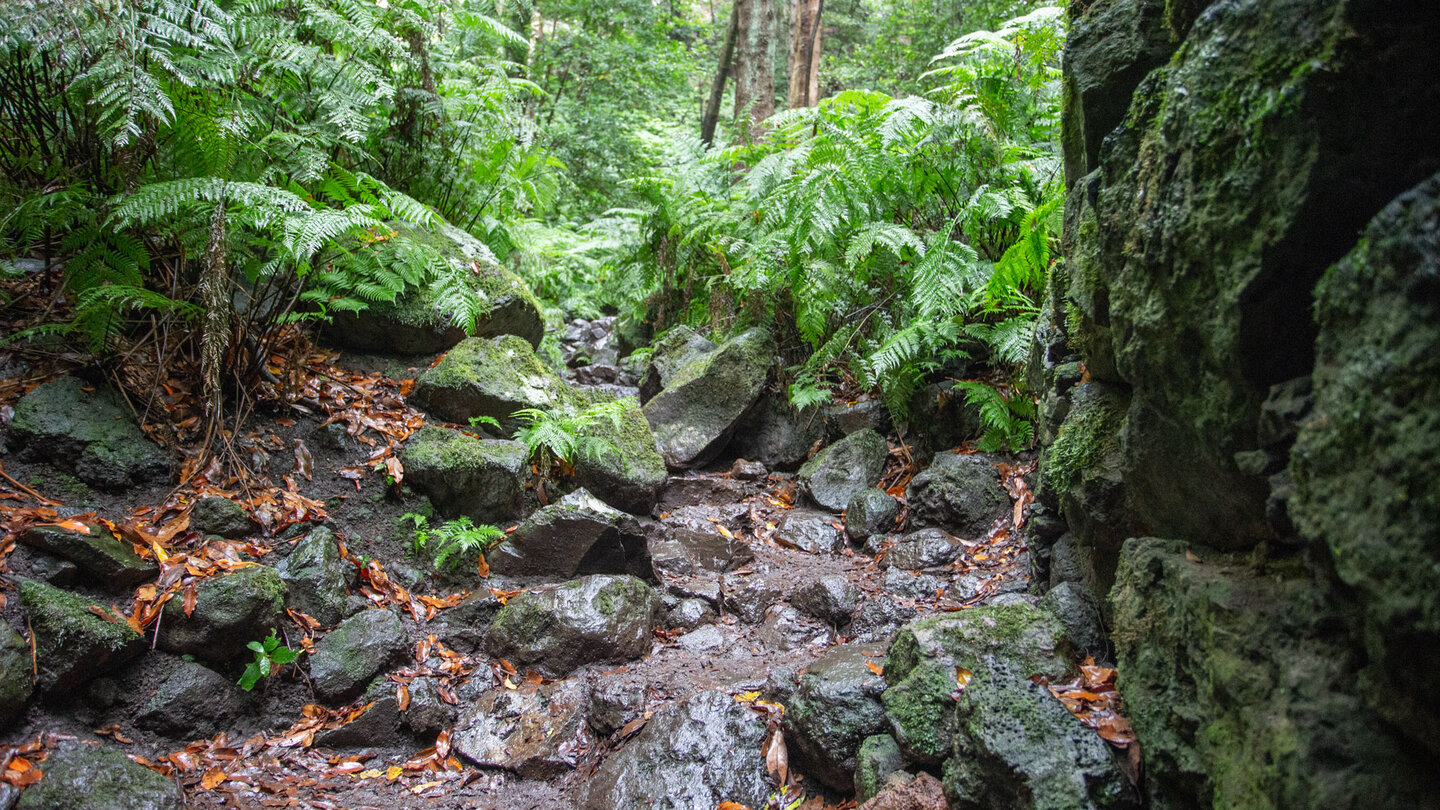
point(921, 708)
point(444, 448)
point(63, 615)
point(1089, 434)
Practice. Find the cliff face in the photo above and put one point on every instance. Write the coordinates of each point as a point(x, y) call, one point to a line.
point(1251, 284)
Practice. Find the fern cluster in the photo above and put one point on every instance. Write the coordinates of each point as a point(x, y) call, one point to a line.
point(558, 438)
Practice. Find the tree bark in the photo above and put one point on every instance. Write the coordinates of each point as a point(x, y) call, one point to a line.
point(804, 85)
point(754, 65)
point(711, 116)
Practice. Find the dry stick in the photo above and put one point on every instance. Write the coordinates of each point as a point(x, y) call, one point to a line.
point(27, 490)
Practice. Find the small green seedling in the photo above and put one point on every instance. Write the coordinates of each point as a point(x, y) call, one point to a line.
point(269, 654)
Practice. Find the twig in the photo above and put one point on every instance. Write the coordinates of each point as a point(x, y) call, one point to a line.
point(27, 490)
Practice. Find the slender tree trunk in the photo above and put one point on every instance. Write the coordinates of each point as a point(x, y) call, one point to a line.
point(754, 65)
point(804, 89)
point(711, 116)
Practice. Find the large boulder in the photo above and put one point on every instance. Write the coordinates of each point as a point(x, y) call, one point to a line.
point(316, 577)
point(845, 469)
point(15, 685)
point(491, 377)
point(696, 413)
point(579, 534)
point(98, 778)
point(102, 556)
point(697, 753)
point(357, 650)
point(630, 476)
point(482, 479)
point(958, 493)
point(231, 611)
point(776, 434)
point(674, 350)
point(590, 619)
point(538, 733)
point(90, 431)
point(834, 709)
point(72, 644)
point(193, 702)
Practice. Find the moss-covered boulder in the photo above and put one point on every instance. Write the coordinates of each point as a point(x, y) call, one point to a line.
point(357, 650)
point(879, 757)
point(579, 534)
point(491, 377)
point(72, 644)
point(696, 413)
point(231, 611)
point(100, 555)
point(590, 619)
point(676, 349)
point(98, 778)
point(15, 685)
point(1084, 469)
point(630, 476)
point(958, 493)
point(845, 469)
point(834, 709)
point(90, 431)
point(483, 479)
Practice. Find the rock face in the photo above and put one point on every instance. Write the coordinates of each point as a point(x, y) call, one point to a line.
point(777, 435)
point(491, 377)
point(844, 469)
point(696, 753)
point(835, 708)
point(315, 577)
point(92, 432)
point(958, 493)
point(230, 611)
point(360, 648)
point(98, 553)
point(482, 479)
point(537, 733)
point(100, 778)
point(577, 535)
point(695, 414)
point(15, 686)
point(594, 618)
point(73, 645)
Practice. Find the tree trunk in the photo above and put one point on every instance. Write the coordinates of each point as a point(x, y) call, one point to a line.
point(711, 116)
point(804, 90)
point(754, 65)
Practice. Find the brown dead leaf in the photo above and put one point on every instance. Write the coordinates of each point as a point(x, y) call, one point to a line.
point(875, 668)
point(212, 778)
point(402, 696)
point(777, 761)
point(304, 462)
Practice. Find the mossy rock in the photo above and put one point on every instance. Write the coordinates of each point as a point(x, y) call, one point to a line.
point(357, 650)
point(231, 611)
point(845, 469)
point(72, 644)
point(598, 618)
point(91, 432)
point(579, 534)
point(696, 413)
point(15, 685)
point(835, 708)
point(491, 377)
point(98, 778)
point(631, 477)
point(100, 554)
point(483, 479)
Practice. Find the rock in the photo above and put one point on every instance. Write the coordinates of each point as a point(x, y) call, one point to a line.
point(844, 469)
point(1019, 747)
point(700, 490)
point(924, 792)
point(98, 553)
point(694, 416)
point(784, 629)
point(73, 645)
point(879, 757)
point(689, 614)
point(536, 732)
point(231, 611)
point(684, 552)
point(675, 350)
point(927, 548)
point(93, 432)
point(15, 685)
point(777, 435)
point(831, 598)
point(222, 516)
point(702, 639)
point(428, 713)
point(192, 703)
point(871, 511)
point(464, 626)
point(316, 577)
point(489, 377)
point(579, 534)
point(98, 778)
point(940, 418)
point(908, 585)
point(1085, 469)
point(958, 493)
point(1080, 616)
point(836, 707)
point(631, 477)
point(733, 516)
point(379, 725)
point(590, 619)
point(747, 596)
point(743, 470)
point(358, 649)
point(920, 669)
point(706, 589)
point(810, 531)
point(53, 570)
point(482, 479)
point(614, 701)
point(846, 418)
point(697, 753)
point(879, 618)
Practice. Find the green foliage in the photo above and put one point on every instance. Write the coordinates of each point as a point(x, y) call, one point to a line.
point(452, 541)
point(1007, 419)
point(558, 438)
point(269, 654)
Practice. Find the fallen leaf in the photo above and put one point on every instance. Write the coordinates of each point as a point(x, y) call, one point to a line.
point(212, 778)
point(875, 668)
point(402, 696)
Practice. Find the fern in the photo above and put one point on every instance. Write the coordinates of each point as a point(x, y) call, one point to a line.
point(1006, 420)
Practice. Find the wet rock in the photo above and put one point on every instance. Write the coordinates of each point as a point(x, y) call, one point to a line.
point(941, 419)
point(489, 377)
point(684, 552)
point(696, 753)
point(675, 350)
point(694, 416)
point(871, 511)
point(706, 589)
point(835, 708)
point(44, 567)
point(316, 577)
point(100, 555)
point(846, 418)
point(831, 598)
point(631, 476)
point(15, 685)
point(193, 702)
point(428, 713)
point(357, 650)
point(222, 516)
point(927, 548)
point(590, 619)
point(689, 614)
point(537, 732)
point(924, 792)
point(958, 493)
point(743, 470)
point(733, 516)
point(879, 757)
point(810, 531)
point(98, 778)
point(1080, 616)
point(844, 469)
point(579, 534)
point(483, 479)
point(701, 490)
point(464, 626)
point(73, 645)
point(231, 611)
point(379, 725)
point(702, 639)
point(785, 629)
point(908, 585)
point(92, 431)
point(747, 596)
point(614, 701)
point(878, 619)
point(777, 435)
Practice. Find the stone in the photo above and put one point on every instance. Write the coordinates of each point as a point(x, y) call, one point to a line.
point(428, 713)
point(100, 555)
point(615, 700)
point(599, 618)
point(748, 595)
point(347, 658)
point(924, 792)
point(835, 708)
point(316, 578)
point(696, 753)
point(878, 758)
point(579, 534)
point(784, 629)
point(702, 639)
point(538, 732)
point(192, 703)
point(73, 645)
point(1085, 469)
point(879, 618)
point(92, 432)
point(845, 468)
point(846, 418)
point(1079, 613)
point(464, 626)
point(743, 470)
point(831, 598)
point(489, 377)
point(379, 725)
point(910, 585)
point(700, 490)
point(810, 531)
point(871, 511)
point(222, 516)
point(15, 684)
point(940, 418)
point(684, 552)
point(690, 613)
point(696, 413)
point(482, 479)
point(673, 351)
point(231, 610)
point(631, 476)
point(98, 778)
point(927, 548)
point(958, 493)
point(775, 434)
